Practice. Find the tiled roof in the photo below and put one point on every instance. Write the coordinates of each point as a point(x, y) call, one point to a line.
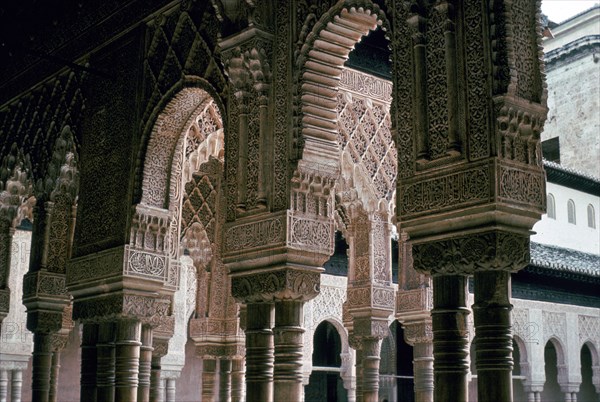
point(564, 259)
point(572, 178)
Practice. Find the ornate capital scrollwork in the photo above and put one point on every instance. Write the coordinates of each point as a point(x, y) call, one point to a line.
point(465, 255)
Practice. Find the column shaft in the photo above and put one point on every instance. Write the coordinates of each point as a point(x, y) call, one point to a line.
point(127, 360)
point(145, 364)
point(209, 367)
point(41, 366)
point(493, 345)
point(89, 362)
point(371, 349)
point(359, 375)
point(170, 395)
point(3, 385)
point(450, 351)
point(259, 353)
point(157, 390)
point(288, 333)
point(16, 385)
point(423, 370)
point(224, 380)
point(237, 380)
point(53, 397)
point(105, 357)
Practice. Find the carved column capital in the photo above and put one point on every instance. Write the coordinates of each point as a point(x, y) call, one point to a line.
point(285, 283)
point(465, 255)
point(121, 306)
point(418, 332)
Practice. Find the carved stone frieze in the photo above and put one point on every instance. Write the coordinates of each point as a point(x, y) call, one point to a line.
point(119, 305)
point(281, 284)
point(201, 328)
point(436, 194)
point(92, 267)
point(414, 300)
point(495, 251)
point(44, 283)
point(118, 262)
point(371, 297)
point(519, 185)
point(221, 351)
point(369, 327)
point(311, 235)
point(366, 85)
point(242, 236)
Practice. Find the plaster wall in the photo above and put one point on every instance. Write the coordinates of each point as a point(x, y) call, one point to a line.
point(574, 116)
point(559, 232)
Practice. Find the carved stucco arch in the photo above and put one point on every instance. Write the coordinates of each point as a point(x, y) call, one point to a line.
point(162, 136)
point(166, 167)
point(320, 62)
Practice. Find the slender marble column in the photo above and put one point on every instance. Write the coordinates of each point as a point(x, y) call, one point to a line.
point(16, 386)
point(493, 348)
point(89, 362)
point(127, 359)
point(225, 380)
point(41, 366)
point(288, 333)
point(3, 385)
point(209, 367)
point(53, 397)
point(259, 353)
point(237, 380)
point(423, 370)
point(170, 390)
point(450, 351)
point(105, 355)
point(157, 389)
point(371, 349)
point(145, 364)
point(359, 375)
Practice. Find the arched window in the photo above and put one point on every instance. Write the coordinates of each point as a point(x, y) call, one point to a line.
point(571, 212)
point(591, 216)
point(551, 206)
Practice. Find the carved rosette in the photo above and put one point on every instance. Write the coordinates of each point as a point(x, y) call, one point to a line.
point(465, 255)
point(284, 283)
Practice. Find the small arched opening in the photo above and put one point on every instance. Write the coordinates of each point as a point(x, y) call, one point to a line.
point(551, 391)
point(519, 374)
point(587, 391)
point(325, 383)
